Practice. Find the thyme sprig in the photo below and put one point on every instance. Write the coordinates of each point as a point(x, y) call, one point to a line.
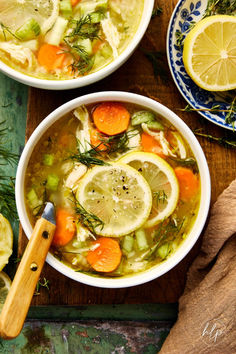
point(41, 284)
point(89, 220)
point(88, 157)
point(180, 36)
point(220, 140)
point(214, 7)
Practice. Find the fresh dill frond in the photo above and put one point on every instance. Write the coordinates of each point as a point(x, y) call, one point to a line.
point(84, 28)
point(160, 197)
point(219, 140)
point(117, 143)
point(89, 220)
point(7, 198)
point(7, 29)
point(87, 157)
point(157, 11)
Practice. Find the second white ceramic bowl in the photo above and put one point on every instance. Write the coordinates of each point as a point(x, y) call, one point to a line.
point(186, 245)
point(90, 78)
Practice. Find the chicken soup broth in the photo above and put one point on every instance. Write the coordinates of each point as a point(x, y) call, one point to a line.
point(125, 185)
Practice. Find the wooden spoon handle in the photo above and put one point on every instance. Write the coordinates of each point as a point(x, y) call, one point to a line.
point(22, 289)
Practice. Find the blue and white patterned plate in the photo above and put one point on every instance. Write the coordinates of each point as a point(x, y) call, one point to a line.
point(185, 12)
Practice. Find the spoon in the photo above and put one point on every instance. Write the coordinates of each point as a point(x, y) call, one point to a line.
point(18, 300)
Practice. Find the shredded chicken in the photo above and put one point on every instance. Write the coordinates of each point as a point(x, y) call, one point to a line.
point(123, 7)
point(112, 34)
point(19, 54)
point(134, 141)
point(160, 137)
point(73, 178)
point(83, 132)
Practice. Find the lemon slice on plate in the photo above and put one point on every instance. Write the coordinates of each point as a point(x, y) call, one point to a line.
point(5, 284)
point(209, 53)
point(15, 13)
point(162, 181)
point(6, 241)
point(118, 195)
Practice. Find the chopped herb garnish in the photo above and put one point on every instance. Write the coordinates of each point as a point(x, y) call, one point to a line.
point(39, 285)
point(87, 157)
point(160, 197)
point(89, 220)
point(157, 11)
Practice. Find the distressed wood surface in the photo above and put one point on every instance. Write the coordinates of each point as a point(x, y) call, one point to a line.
point(135, 75)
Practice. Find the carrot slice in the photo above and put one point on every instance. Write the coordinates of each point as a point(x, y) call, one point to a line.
point(150, 144)
point(74, 2)
point(97, 45)
point(111, 118)
point(95, 140)
point(65, 228)
point(188, 183)
point(50, 56)
point(106, 257)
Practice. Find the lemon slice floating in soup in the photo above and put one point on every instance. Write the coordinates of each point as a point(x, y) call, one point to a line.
point(15, 13)
point(117, 194)
point(162, 181)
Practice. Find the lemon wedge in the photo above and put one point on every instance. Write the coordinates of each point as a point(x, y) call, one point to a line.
point(6, 241)
point(118, 195)
point(15, 13)
point(162, 181)
point(209, 53)
point(5, 284)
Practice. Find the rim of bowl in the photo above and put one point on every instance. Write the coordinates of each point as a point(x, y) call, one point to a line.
point(157, 270)
point(90, 78)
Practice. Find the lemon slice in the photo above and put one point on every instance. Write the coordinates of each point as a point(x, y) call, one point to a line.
point(14, 13)
point(5, 283)
point(118, 195)
point(6, 241)
point(209, 54)
point(162, 181)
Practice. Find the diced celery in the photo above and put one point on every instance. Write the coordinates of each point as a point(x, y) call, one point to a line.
point(48, 159)
point(163, 251)
point(86, 44)
point(155, 125)
point(32, 44)
point(106, 51)
point(128, 243)
point(29, 30)
point(55, 35)
point(89, 6)
point(96, 17)
point(141, 239)
point(52, 182)
point(142, 117)
point(32, 199)
point(66, 8)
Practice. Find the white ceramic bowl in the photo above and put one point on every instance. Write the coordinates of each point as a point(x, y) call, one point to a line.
point(186, 245)
point(90, 78)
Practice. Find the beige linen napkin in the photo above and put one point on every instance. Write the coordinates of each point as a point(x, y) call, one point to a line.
point(207, 309)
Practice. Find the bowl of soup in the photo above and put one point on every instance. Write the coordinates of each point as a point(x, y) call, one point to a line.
point(67, 44)
point(129, 182)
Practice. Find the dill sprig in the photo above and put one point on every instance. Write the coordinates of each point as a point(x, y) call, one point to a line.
point(7, 197)
point(158, 61)
point(83, 28)
point(219, 140)
point(87, 157)
point(214, 7)
point(6, 156)
point(6, 30)
point(160, 197)
point(118, 143)
point(89, 220)
point(157, 11)
point(82, 61)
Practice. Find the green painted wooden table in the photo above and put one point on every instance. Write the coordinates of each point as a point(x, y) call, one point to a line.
point(81, 329)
